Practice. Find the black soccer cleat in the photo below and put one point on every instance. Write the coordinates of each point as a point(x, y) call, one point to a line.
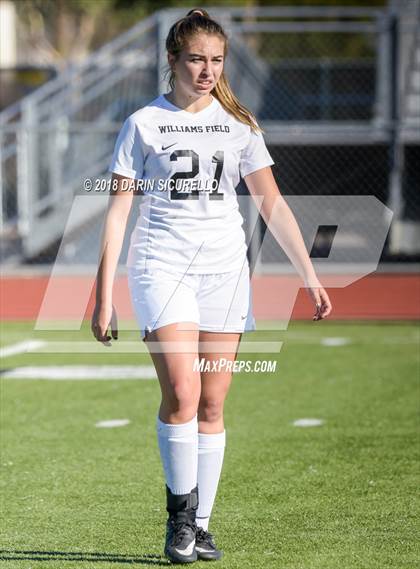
point(205, 547)
point(180, 541)
point(181, 527)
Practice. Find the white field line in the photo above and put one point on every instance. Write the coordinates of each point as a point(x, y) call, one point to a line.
point(22, 347)
point(138, 347)
point(308, 422)
point(110, 423)
point(334, 342)
point(80, 372)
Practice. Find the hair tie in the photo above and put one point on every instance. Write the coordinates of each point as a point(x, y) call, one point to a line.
point(196, 12)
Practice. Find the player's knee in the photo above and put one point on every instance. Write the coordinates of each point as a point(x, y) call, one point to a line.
point(183, 396)
point(210, 410)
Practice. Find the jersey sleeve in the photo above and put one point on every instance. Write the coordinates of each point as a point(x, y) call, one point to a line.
point(255, 155)
point(128, 156)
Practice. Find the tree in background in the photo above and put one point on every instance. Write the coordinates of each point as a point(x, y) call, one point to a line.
point(67, 30)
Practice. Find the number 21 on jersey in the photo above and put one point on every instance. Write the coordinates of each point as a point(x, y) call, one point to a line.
point(214, 194)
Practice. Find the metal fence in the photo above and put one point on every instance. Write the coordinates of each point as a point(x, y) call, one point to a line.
point(338, 120)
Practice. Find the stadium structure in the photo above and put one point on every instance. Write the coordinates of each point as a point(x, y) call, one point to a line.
point(336, 90)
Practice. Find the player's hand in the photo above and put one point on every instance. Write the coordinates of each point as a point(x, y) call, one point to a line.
point(322, 302)
point(104, 316)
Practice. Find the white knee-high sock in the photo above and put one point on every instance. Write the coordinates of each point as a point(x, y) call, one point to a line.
point(178, 445)
point(211, 449)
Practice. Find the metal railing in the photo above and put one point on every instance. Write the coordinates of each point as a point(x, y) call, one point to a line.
point(65, 130)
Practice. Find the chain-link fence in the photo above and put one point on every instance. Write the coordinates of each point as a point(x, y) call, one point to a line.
point(332, 88)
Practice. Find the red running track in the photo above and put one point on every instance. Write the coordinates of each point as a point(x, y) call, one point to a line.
point(375, 297)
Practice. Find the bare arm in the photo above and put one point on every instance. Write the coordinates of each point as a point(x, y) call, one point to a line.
point(119, 206)
point(282, 224)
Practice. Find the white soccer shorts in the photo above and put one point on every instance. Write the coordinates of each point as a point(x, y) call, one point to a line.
point(219, 302)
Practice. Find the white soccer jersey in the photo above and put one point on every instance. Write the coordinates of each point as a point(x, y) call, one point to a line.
point(189, 165)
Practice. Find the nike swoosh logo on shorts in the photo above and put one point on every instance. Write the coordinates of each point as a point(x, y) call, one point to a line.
point(166, 147)
point(188, 550)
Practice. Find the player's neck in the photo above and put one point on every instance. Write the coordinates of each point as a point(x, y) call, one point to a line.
point(187, 103)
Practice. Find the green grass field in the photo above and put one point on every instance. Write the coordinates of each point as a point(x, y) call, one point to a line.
point(338, 496)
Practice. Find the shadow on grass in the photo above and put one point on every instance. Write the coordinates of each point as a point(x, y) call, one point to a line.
point(29, 555)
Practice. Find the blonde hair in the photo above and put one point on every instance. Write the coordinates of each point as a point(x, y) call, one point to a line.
point(195, 22)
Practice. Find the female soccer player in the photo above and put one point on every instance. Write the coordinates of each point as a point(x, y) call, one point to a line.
point(187, 265)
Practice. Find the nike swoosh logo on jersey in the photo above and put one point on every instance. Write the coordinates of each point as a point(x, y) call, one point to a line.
point(166, 147)
point(188, 550)
point(243, 317)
